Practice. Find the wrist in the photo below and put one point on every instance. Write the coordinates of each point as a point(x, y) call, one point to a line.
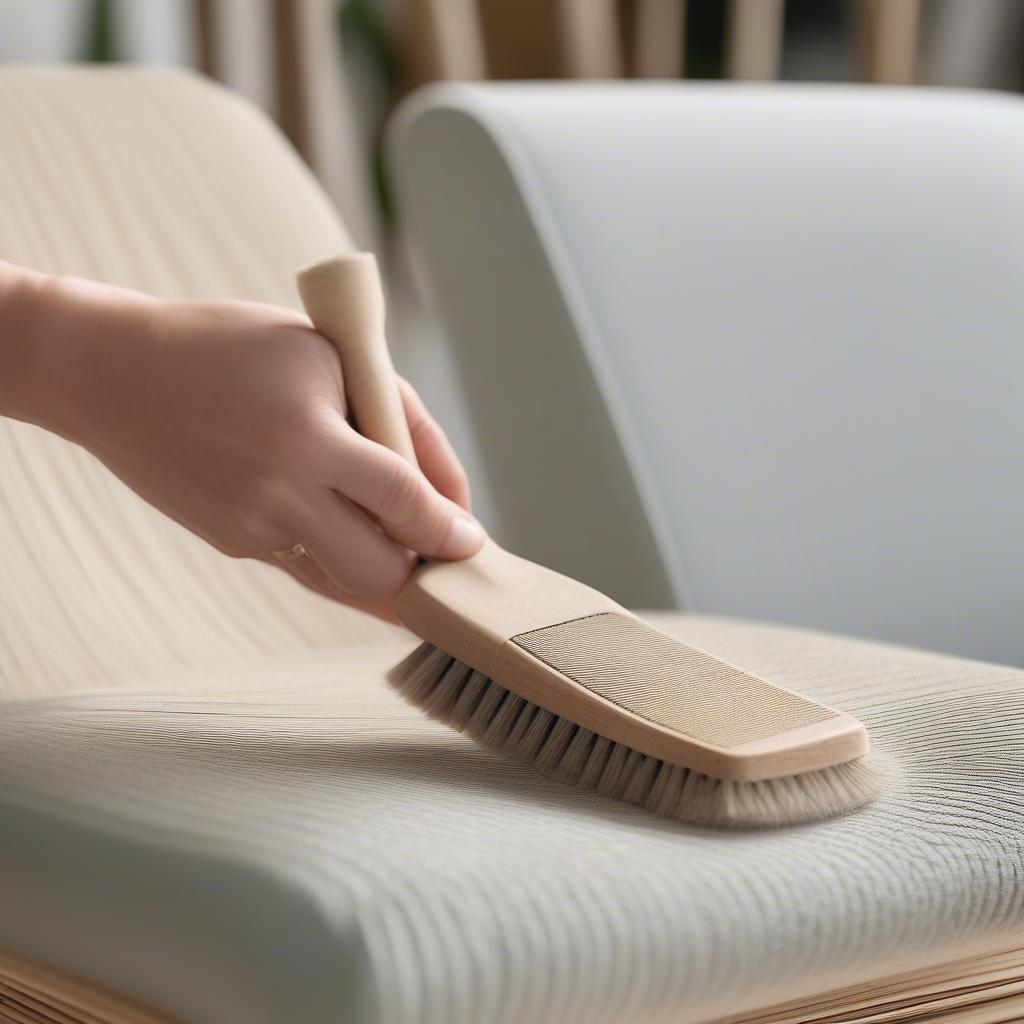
point(20, 359)
point(100, 339)
point(69, 352)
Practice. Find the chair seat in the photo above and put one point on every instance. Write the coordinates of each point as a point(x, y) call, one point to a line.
point(284, 839)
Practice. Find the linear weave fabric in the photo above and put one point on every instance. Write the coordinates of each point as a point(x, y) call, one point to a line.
point(288, 841)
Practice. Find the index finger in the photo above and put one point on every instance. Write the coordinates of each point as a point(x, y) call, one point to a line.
point(434, 452)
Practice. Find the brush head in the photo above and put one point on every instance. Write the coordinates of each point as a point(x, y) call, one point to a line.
point(456, 694)
point(540, 666)
point(577, 682)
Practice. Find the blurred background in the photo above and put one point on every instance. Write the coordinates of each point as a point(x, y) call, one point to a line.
point(331, 73)
point(319, 66)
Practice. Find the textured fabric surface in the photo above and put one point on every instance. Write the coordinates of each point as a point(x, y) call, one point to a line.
point(162, 182)
point(289, 833)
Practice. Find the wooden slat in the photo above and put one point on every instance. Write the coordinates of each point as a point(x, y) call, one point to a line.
point(590, 38)
point(522, 39)
point(888, 33)
point(442, 41)
point(35, 992)
point(987, 988)
point(754, 39)
point(292, 99)
point(314, 109)
point(659, 32)
point(207, 42)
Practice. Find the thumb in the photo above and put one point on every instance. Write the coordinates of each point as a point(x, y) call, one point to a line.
point(405, 503)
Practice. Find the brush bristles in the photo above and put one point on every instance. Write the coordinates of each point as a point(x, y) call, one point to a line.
point(475, 704)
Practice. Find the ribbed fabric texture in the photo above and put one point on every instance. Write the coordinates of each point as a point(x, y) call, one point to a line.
point(425, 880)
point(162, 182)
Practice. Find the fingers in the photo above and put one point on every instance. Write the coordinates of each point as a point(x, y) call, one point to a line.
point(434, 452)
point(305, 570)
point(360, 561)
point(403, 500)
point(308, 574)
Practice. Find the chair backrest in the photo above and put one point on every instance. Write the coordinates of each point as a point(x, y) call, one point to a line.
point(757, 348)
point(162, 182)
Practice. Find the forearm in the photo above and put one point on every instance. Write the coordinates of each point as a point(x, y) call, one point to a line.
point(59, 336)
point(230, 418)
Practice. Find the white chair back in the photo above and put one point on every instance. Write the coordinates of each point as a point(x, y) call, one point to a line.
point(752, 348)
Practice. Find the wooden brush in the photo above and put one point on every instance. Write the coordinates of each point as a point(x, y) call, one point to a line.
point(549, 671)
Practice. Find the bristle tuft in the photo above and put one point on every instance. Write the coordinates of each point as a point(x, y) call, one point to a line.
point(459, 696)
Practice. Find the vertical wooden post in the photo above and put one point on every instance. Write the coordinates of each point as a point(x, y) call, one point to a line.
point(292, 101)
point(589, 31)
point(442, 40)
point(315, 112)
point(754, 39)
point(888, 31)
point(208, 40)
point(659, 33)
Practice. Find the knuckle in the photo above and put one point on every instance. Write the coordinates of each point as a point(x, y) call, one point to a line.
point(312, 421)
point(458, 480)
point(300, 428)
point(404, 494)
point(435, 530)
point(426, 434)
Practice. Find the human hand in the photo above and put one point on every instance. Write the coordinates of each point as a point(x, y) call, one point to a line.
point(230, 418)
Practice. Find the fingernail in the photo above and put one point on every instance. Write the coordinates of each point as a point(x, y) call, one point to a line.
point(465, 536)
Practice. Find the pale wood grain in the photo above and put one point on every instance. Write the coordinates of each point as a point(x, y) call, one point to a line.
point(343, 298)
point(30, 991)
point(477, 608)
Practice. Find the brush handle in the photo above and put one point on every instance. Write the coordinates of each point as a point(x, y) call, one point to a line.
point(344, 299)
